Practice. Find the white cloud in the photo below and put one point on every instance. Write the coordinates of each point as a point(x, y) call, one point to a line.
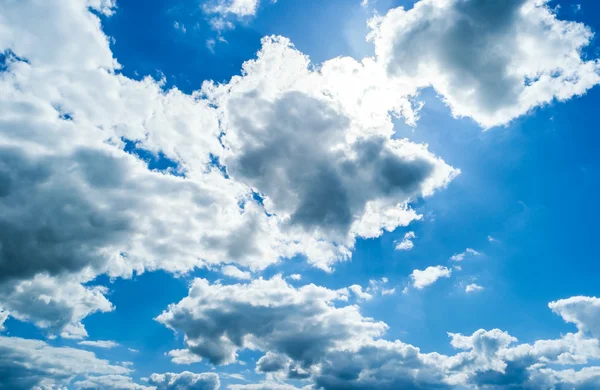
point(236, 273)
point(488, 360)
point(406, 244)
point(27, 363)
point(375, 287)
point(55, 304)
point(307, 337)
point(218, 320)
point(107, 344)
point(80, 206)
point(110, 382)
point(428, 276)
point(473, 287)
point(584, 312)
point(3, 316)
point(185, 380)
point(354, 179)
point(74, 114)
point(295, 277)
point(461, 256)
point(491, 61)
point(183, 356)
point(223, 15)
point(239, 8)
point(360, 294)
point(67, 179)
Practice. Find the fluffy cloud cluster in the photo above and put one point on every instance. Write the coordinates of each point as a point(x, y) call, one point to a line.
point(308, 335)
point(185, 380)
point(286, 159)
point(55, 304)
point(581, 311)
point(79, 202)
point(109, 382)
point(303, 323)
point(318, 148)
point(34, 364)
point(25, 364)
point(491, 61)
point(428, 276)
point(407, 242)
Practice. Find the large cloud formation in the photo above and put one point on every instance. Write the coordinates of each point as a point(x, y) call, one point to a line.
point(77, 201)
point(492, 61)
point(309, 333)
point(34, 364)
point(303, 323)
point(289, 158)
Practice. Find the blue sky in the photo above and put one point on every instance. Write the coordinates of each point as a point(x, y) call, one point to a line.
point(176, 221)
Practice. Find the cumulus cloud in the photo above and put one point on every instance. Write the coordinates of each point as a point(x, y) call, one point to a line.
point(319, 154)
point(267, 314)
point(110, 382)
point(406, 244)
point(236, 273)
point(306, 334)
point(183, 356)
point(489, 360)
point(491, 61)
point(428, 276)
point(185, 380)
point(55, 304)
point(26, 364)
point(81, 203)
point(584, 312)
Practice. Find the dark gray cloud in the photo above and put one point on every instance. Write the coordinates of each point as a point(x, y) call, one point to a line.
point(298, 156)
point(51, 224)
point(281, 366)
point(272, 362)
